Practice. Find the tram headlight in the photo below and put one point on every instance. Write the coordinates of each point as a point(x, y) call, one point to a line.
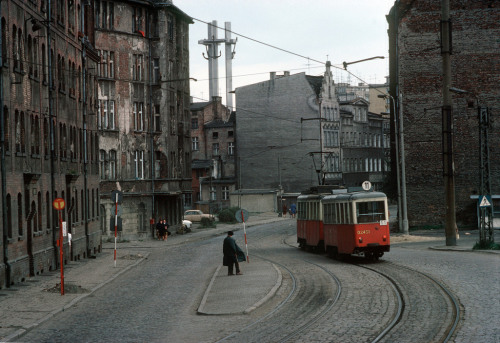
point(360, 239)
point(384, 237)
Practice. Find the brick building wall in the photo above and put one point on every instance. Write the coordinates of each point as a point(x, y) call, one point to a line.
point(416, 69)
point(213, 153)
point(34, 174)
point(145, 145)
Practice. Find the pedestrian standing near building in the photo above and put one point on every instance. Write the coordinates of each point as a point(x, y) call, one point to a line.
point(160, 230)
point(230, 250)
point(285, 210)
point(293, 210)
point(167, 232)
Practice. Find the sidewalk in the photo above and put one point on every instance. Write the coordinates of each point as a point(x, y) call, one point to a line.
point(27, 305)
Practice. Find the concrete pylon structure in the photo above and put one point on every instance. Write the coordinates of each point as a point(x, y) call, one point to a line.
point(212, 46)
point(229, 64)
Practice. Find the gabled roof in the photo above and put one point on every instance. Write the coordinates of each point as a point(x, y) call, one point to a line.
point(218, 123)
point(196, 106)
point(355, 101)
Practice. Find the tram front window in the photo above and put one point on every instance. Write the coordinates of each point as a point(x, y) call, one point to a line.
point(370, 212)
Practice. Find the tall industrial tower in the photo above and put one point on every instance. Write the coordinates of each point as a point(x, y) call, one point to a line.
point(212, 46)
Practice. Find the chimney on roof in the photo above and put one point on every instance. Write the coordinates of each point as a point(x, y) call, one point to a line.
point(286, 73)
point(273, 75)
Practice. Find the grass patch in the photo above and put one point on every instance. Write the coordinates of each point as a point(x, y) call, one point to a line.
point(205, 222)
point(486, 246)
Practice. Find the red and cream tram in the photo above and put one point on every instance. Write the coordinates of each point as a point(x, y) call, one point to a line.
point(310, 221)
point(355, 223)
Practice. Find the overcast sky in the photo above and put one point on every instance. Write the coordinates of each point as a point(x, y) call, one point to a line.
point(337, 30)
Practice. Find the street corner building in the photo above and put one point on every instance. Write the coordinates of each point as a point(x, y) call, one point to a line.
point(142, 114)
point(49, 138)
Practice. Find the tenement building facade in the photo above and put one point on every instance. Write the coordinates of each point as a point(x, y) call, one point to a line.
point(49, 143)
point(294, 133)
point(416, 80)
point(143, 113)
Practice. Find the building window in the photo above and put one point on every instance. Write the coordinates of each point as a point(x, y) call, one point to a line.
point(8, 203)
point(188, 199)
point(138, 116)
point(215, 135)
point(112, 164)
point(157, 120)
point(195, 144)
point(137, 20)
point(225, 193)
point(215, 149)
point(139, 164)
point(230, 134)
point(170, 28)
point(20, 220)
point(106, 114)
point(213, 193)
point(194, 123)
point(102, 164)
point(137, 67)
point(156, 70)
point(230, 148)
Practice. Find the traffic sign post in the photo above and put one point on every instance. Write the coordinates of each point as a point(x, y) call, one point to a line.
point(241, 215)
point(59, 205)
point(117, 197)
point(485, 206)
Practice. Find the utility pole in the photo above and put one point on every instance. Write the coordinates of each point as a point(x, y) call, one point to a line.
point(447, 119)
point(486, 215)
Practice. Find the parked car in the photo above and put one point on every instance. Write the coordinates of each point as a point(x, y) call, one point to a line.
point(197, 215)
point(187, 223)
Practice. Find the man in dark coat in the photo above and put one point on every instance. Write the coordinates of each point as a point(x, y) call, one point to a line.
point(230, 250)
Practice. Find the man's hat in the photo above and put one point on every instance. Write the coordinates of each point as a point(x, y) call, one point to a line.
point(230, 233)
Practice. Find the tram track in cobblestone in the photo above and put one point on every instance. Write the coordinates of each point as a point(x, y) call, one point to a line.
point(264, 325)
point(404, 322)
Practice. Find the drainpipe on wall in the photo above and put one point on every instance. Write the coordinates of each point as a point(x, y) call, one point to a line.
point(51, 129)
point(151, 120)
point(84, 118)
point(5, 237)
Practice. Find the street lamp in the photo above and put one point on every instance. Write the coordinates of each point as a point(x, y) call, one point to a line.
point(402, 206)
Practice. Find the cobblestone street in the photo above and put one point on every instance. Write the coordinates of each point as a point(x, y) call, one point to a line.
point(156, 297)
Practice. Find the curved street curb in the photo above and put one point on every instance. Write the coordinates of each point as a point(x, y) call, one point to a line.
point(207, 292)
point(269, 295)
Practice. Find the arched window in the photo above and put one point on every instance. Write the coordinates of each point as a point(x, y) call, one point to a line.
point(4, 42)
point(30, 57)
point(47, 210)
point(8, 203)
point(6, 125)
point(35, 57)
point(20, 48)
point(19, 214)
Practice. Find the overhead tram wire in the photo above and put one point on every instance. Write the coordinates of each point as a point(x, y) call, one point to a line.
point(278, 48)
point(261, 42)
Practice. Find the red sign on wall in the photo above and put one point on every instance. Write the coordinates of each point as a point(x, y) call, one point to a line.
point(58, 204)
